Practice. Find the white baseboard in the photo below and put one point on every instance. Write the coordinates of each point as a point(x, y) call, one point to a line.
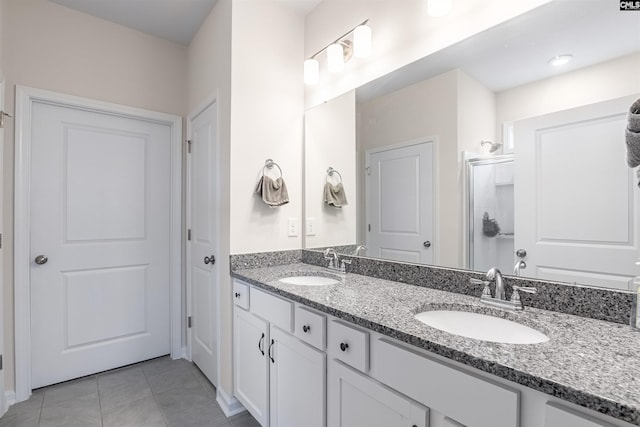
point(9, 399)
point(229, 404)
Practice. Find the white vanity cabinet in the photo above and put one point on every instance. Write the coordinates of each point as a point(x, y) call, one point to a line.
point(356, 400)
point(557, 416)
point(279, 379)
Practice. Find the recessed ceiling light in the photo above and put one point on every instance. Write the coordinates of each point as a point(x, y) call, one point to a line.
point(560, 60)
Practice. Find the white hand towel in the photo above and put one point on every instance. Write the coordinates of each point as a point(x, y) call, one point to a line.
point(272, 191)
point(334, 195)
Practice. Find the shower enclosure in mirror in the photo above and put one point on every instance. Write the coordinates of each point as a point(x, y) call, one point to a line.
point(490, 216)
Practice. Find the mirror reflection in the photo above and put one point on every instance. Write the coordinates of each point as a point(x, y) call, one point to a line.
point(422, 153)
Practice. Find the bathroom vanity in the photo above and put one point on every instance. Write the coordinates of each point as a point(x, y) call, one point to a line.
point(353, 354)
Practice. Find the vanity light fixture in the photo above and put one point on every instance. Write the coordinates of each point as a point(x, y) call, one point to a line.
point(560, 60)
point(339, 52)
point(437, 8)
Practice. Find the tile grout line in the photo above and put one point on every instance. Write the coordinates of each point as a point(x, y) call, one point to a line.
point(153, 394)
point(99, 400)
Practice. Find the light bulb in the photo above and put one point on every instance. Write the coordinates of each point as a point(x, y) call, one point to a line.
point(335, 58)
point(439, 8)
point(362, 41)
point(311, 72)
point(560, 60)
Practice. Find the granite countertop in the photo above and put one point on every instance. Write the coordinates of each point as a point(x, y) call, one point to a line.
point(592, 363)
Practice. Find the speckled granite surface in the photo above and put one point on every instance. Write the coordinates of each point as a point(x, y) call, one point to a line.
point(589, 362)
point(596, 303)
point(264, 259)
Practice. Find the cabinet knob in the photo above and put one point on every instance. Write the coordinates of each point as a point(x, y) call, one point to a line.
point(237, 294)
point(306, 328)
point(344, 346)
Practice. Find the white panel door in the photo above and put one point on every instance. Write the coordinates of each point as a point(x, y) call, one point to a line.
point(297, 382)
point(400, 204)
point(202, 223)
point(100, 214)
point(2, 399)
point(576, 201)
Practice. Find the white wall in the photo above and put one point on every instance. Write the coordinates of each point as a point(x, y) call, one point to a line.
point(266, 121)
point(608, 80)
point(401, 35)
point(209, 75)
point(331, 145)
point(51, 47)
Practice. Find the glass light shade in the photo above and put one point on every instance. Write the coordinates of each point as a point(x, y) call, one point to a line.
point(311, 72)
point(335, 58)
point(362, 41)
point(439, 7)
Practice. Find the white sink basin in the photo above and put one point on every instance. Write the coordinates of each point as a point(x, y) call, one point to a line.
point(481, 327)
point(310, 281)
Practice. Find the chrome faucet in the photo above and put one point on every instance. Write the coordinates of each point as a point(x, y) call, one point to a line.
point(520, 265)
point(499, 299)
point(334, 262)
point(331, 255)
point(495, 275)
point(360, 248)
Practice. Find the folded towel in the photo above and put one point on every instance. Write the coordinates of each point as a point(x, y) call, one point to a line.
point(273, 191)
point(633, 135)
point(334, 195)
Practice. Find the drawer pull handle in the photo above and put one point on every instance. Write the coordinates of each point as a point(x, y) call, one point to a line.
point(306, 329)
point(261, 343)
point(270, 356)
point(237, 294)
point(344, 346)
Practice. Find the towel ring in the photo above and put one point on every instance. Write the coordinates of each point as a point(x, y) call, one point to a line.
point(331, 171)
point(269, 164)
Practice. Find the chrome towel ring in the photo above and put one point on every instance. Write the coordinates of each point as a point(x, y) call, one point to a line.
point(330, 172)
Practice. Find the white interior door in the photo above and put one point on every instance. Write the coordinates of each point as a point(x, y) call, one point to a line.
point(100, 213)
point(576, 201)
point(400, 203)
point(201, 246)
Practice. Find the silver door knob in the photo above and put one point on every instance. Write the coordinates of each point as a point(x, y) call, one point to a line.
point(210, 260)
point(426, 244)
point(41, 259)
point(521, 253)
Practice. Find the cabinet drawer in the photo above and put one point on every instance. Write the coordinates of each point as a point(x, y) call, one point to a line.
point(272, 309)
point(311, 327)
point(443, 387)
point(349, 344)
point(241, 294)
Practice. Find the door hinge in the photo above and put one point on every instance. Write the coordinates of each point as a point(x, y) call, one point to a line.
point(368, 170)
point(189, 322)
point(369, 227)
point(0, 240)
point(188, 146)
point(189, 234)
point(0, 362)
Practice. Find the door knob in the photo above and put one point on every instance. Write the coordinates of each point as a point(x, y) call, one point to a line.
point(426, 244)
point(521, 253)
point(210, 260)
point(41, 259)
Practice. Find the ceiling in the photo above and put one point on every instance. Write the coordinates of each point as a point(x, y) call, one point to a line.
point(175, 20)
point(517, 52)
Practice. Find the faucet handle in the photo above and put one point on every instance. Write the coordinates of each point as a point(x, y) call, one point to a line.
point(527, 289)
point(477, 281)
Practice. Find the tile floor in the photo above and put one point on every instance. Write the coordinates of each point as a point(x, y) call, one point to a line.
point(159, 392)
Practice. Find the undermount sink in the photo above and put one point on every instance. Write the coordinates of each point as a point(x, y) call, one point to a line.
point(310, 280)
point(481, 327)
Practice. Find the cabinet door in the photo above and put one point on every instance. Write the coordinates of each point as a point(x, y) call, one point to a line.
point(298, 382)
point(251, 342)
point(355, 400)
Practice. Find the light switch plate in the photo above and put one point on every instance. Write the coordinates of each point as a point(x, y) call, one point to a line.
point(311, 226)
point(292, 228)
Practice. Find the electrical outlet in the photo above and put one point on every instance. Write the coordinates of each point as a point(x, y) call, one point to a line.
point(311, 226)
point(292, 229)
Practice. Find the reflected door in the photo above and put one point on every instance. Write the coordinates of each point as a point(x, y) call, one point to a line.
point(400, 203)
point(576, 201)
point(100, 221)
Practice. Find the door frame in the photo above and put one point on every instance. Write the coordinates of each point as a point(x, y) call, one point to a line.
point(209, 101)
point(25, 98)
point(434, 176)
point(3, 400)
